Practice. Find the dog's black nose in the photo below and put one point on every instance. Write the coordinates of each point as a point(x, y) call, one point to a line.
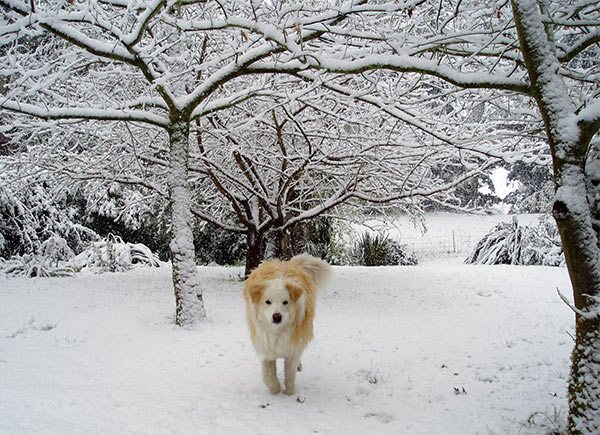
point(277, 318)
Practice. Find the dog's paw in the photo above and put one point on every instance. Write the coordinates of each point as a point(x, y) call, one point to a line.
point(274, 388)
point(289, 391)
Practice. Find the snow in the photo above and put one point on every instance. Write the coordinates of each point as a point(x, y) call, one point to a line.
point(402, 63)
point(71, 113)
point(443, 232)
point(441, 347)
point(501, 184)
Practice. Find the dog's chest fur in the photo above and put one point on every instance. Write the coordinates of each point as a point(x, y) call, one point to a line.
point(273, 342)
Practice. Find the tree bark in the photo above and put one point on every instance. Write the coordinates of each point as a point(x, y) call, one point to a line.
point(569, 142)
point(186, 283)
point(579, 242)
point(584, 386)
point(254, 252)
point(273, 244)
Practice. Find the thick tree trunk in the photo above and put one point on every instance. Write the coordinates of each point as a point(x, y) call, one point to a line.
point(584, 382)
point(273, 244)
point(278, 243)
point(264, 247)
point(186, 283)
point(579, 241)
point(569, 141)
point(254, 252)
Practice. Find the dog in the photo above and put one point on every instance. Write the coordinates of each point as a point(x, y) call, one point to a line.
point(280, 301)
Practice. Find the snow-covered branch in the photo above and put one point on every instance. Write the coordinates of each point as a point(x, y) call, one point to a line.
point(85, 113)
point(400, 64)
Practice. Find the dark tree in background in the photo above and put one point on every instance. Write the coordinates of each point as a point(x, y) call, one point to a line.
point(534, 188)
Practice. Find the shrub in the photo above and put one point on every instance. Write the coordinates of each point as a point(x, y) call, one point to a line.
point(33, 214)
point(130, 214)
point(380, 250)
point(31, 266)
point(511, 243)
point(325, 238)
point(51, 258)
point(113, 255)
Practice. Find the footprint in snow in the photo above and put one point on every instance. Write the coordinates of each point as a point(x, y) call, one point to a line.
point(31, 326)
point(381, 416)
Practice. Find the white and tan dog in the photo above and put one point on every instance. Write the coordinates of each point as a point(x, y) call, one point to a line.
point(280, 307)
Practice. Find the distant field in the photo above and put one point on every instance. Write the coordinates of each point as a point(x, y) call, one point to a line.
point(446, 233)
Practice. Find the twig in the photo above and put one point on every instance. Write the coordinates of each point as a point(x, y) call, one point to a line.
point(585, 315)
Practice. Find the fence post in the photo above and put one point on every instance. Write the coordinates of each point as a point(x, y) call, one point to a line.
point(453, 242)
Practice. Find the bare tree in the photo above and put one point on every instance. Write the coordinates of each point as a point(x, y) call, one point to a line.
point(540, 59)
point(159, 63)
point(183, 64)
point(278, 163)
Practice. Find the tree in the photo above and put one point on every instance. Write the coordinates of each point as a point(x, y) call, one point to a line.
point(534, 188)
point(541, 55)
point(279, 163)
point(570, 128)
point(342, 155)
point(162, 63)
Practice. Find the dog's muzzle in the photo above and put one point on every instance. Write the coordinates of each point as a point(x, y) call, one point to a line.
point(277, 317)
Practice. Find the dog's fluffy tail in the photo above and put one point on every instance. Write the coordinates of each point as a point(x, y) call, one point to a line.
point(319, 271)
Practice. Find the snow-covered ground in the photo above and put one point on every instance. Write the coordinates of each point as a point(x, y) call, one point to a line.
point(438, 348)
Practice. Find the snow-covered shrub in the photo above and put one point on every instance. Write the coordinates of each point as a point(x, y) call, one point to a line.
point(511, 243)
point(32, 215)
point(542, 245)
point(134, 213)
point(326, 238)
point(112, 254)
point(31, 266)
point(380, 250)
point(39, 232)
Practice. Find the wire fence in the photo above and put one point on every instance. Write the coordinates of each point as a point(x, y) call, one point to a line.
point(456, 242)
point(447, 233)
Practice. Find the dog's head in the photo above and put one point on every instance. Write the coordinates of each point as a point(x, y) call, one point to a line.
point(279, 302)
point(278, 294)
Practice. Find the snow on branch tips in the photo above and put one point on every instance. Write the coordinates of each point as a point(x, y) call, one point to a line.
point(587, 314)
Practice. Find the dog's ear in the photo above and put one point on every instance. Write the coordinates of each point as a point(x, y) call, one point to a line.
point(294, 291)
point(255, 291)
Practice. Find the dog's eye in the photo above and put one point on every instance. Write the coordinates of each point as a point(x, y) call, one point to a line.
point(285, 302)
point(268, 302)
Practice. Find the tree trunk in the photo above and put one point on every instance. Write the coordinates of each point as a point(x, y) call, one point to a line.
point(277, 242)
point(569, 141)
point(579, 242)
point(254, 253)
point(273, 244)
point(186, 283)
point(584, 385)
point(274, 247)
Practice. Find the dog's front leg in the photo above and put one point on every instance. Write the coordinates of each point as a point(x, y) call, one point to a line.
point(269, 368)
point(291, 367)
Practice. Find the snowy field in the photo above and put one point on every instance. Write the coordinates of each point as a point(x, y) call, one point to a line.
point(438, 348)
point(445, 233)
